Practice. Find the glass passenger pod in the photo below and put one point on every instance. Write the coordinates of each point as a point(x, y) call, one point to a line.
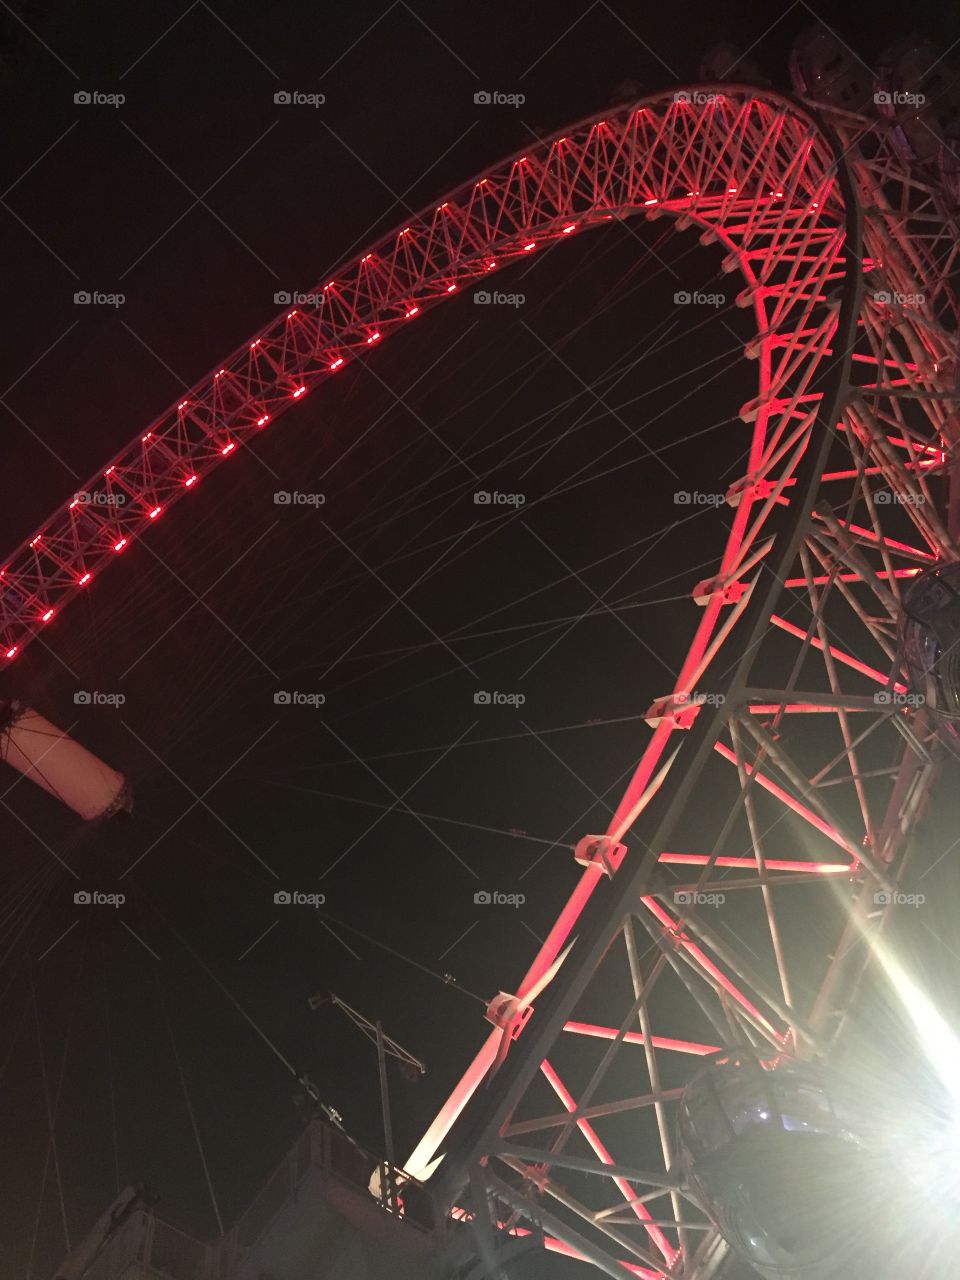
point(772, 1152)
point(824, 69)
point(930, 637)
point(924, 96)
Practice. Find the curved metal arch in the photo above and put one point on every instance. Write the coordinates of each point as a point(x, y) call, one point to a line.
point(760, 174)
point(896, 430)
point(751, 167)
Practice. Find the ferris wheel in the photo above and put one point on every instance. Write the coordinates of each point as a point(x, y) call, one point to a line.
point(810, 705)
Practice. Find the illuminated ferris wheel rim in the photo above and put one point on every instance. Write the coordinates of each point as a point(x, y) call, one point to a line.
point(371, 296)
point(804, 221)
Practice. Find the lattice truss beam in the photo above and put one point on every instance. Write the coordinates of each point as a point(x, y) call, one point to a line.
point(749, 925)
point(751, 171)
point(814, 782)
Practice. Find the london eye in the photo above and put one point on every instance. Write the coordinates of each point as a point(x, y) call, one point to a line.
point(530, 652)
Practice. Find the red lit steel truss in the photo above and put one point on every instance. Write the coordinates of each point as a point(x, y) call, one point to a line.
point(789, 711)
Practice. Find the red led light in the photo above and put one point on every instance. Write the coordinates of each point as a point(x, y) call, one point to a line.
point(414, 311)
point(190, 480)
point(291, 315)
point(299, 392)
point(12, 653)
point(36, 540)
point(47, 616)
point(228, 448)
point(405, 231)
point(337, 363)
point(254, 345)
point(74, 503)
point(108, 470)
point(451, 288)
point(652, 200)
point(144, 439)
point(571, 226)
point(82, 581)
point(528, 247)
point(182, 405)
point(118, 546)
point(374, 337)
point(261, 421)
point(155, 512)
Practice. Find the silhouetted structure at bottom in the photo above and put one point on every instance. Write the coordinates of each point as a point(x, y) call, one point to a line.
point(314, 1219)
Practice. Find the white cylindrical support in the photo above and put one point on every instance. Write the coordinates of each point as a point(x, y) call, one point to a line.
point(50, 758)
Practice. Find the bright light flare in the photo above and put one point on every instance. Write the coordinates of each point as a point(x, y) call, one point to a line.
point(939, 1041)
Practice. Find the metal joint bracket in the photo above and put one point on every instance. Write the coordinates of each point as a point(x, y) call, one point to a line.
point(748, 487)
point(600, 850)
point(680, 713)
point(506, 1012)
point(731, 590)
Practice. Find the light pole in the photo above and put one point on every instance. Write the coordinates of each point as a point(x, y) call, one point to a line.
point(386, 1046)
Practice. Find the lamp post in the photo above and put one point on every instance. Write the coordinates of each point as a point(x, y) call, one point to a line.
point(386, 1046)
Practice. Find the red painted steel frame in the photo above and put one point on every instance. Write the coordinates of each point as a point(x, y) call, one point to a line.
point(758, 175)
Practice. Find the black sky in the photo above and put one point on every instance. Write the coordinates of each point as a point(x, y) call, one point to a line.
point(199, 199)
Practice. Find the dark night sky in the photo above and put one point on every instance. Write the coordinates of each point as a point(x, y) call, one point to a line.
point(198, 199)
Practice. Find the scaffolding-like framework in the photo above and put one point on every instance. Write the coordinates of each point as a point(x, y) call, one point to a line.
point(788, 711)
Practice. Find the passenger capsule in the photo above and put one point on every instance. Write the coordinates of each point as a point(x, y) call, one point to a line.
point(50, 758)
